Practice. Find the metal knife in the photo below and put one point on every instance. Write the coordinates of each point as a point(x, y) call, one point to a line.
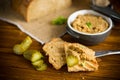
point(108, 11)
point(107, 52)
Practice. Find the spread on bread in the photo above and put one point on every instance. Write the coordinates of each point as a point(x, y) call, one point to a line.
point(77, 56)
point(85, 56)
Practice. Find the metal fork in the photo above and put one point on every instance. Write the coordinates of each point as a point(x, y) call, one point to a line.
point(107, 52)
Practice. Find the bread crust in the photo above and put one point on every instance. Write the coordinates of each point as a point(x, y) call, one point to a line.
point(55, 50)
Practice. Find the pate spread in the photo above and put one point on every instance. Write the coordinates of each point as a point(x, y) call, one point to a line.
point(90, 24)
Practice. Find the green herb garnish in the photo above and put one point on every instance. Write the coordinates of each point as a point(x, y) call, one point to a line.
point(59, 21)
point(89, 24)
point(83, 63)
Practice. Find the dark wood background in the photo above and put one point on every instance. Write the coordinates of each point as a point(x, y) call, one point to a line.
point(13, 67)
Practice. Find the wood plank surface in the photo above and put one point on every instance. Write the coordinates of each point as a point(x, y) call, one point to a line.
point(13, 67)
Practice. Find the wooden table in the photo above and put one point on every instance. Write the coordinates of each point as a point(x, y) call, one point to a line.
point(13, 67)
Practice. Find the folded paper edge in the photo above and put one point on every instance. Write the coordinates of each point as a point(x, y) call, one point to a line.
point(19, 26)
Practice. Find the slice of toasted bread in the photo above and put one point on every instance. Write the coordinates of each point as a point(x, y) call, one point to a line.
point(55, 50)
point(86, 57)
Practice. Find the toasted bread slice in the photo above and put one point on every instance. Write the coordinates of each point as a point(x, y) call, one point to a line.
point(55, 50)
point(86, 57)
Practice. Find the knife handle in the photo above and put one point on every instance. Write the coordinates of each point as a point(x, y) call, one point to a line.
point(107, 11)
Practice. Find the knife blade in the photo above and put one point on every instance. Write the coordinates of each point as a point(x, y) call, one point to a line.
point(107, 52)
